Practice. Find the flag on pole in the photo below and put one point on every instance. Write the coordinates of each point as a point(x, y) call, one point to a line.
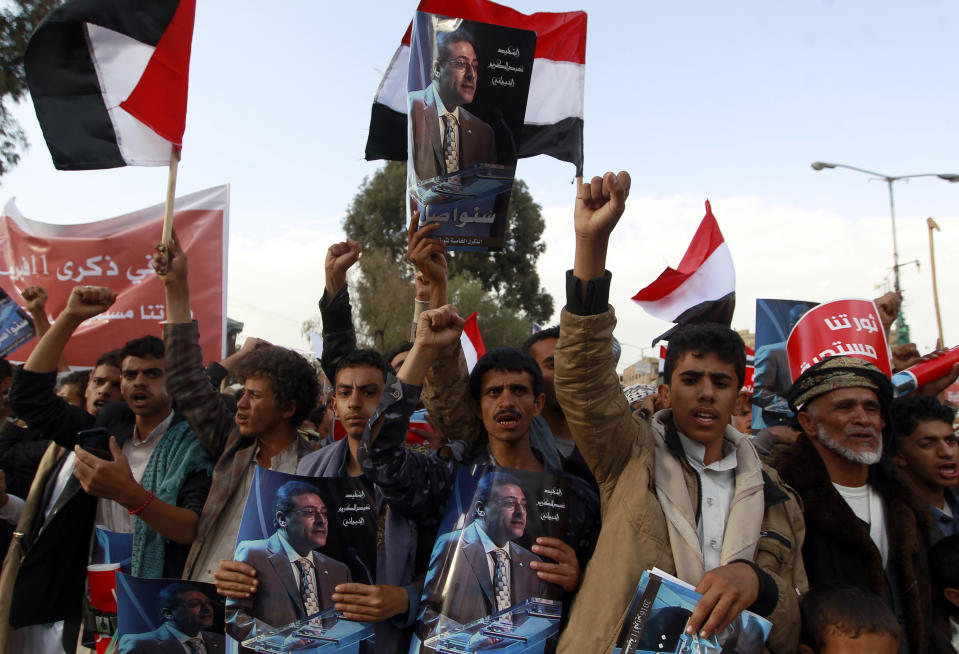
point(554, 112)
point(109, 81)
point(472, 342)
point(703, 287)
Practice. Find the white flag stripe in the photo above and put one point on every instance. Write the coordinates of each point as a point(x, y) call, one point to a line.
point(120, 61)
point(468, 350)
point(714, 279)
point(392, 91)
point(555, 92)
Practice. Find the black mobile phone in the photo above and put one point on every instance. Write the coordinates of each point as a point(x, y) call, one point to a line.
point(96, 441)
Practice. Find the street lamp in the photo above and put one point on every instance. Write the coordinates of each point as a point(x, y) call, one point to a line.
point(889, 179)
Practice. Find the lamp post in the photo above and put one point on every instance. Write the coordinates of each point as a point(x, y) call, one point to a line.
point(890, 179)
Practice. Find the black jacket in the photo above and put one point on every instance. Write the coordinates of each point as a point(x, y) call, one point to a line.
point(838, 549)
point(50, 584)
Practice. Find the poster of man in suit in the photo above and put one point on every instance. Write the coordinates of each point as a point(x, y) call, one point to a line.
point(304, 536)
point(468, 86)
point(168, 616)
point(480, 565)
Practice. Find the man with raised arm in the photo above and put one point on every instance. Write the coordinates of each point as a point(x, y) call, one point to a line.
point(148, 469)
point(279, 391)
point(684, 492)
point(507, 392)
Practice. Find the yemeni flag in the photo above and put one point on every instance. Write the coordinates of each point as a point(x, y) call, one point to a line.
point(472, 342)
point(554, 111)
point(109, 81)
point(703, 287)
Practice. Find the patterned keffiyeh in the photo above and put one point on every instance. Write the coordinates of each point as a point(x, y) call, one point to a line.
point(835, 373)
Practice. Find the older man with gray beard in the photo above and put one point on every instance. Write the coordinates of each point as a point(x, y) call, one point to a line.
point(865, 526)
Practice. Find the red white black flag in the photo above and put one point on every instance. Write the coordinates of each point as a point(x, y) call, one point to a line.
point(472, 342)
point(702, 288)
point(554, 112)
point(109, 81)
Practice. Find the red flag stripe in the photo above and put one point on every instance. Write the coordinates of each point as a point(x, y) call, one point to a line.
point(160, 98)
point(559, 36)
point(704, 243)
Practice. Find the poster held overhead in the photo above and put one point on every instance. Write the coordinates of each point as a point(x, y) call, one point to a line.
point(467, 89)
point(553, 124)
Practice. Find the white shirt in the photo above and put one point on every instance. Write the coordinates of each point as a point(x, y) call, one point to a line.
point(491, 550)
point(220, 544)
point(294, 556)
point(954, 626)
point(183, 638)
point(63, 476)
point(113, 515)
point(12, 509)
point(718, 481)
point(441, 111)
point(867, 505)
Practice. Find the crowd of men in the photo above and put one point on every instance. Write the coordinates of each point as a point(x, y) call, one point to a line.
point(844, 535)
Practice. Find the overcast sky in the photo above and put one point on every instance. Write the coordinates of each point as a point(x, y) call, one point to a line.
point(725, 101)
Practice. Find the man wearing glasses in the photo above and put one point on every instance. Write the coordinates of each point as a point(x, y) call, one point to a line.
point(295, 581)
point(483, 555)
point(446, 137)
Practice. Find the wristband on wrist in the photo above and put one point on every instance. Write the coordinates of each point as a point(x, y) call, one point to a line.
point(145, 504)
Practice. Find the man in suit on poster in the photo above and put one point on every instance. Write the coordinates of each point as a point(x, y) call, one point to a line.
point(446, 137)
point(187, 614)
point(294, 581)
point(482, 555)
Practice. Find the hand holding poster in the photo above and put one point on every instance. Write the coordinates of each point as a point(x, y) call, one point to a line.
point(482, 588)
point(462, 161)
point(657, 617)
point(847, 327)
point(304, 536)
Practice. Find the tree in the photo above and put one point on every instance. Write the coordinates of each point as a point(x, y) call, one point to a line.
point(16, 25)
point(384, 292)
point(377, 218)
point(499, 326)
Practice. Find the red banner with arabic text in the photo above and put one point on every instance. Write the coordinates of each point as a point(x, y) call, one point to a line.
point(116, 253)
point(845, 327)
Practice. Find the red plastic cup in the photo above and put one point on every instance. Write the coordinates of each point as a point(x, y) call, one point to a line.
point(102, 578)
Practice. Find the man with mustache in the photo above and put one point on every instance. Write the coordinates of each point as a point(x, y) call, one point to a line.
point(294, 580)
point(446, 137)
point(865, 526)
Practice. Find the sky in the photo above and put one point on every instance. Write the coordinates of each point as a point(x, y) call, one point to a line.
point(729, 102)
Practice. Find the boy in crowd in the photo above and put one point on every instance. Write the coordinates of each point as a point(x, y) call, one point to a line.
point(686, 492)
point(925, 447)
point(280, 390)
point(845, 620)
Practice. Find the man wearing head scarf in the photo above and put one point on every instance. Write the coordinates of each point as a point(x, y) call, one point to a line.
point(865, 527)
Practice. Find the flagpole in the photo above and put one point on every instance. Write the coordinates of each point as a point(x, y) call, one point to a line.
point(933, 226)
point(170, 195)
